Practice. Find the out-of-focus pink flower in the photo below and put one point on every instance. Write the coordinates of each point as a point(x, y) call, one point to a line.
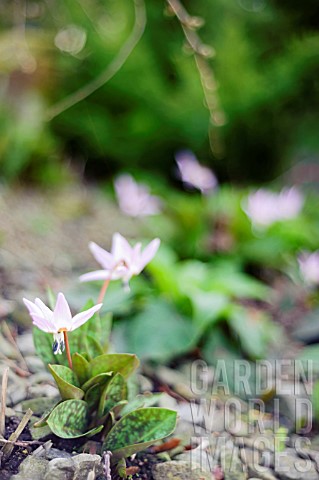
point(134, 198)
point(123, 262)
point(59, 320)
point(265, 207)
point(309, 267)
point(193, 173)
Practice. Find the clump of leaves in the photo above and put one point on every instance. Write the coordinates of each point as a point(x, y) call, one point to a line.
point(96, 401)
point(95, 397)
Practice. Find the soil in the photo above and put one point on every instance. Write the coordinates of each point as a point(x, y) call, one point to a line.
point(11, 466)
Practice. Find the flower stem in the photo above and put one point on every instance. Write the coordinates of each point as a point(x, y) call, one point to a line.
point(67, 348)
point(103, 291)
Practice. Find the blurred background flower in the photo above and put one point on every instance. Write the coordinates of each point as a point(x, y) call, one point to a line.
point(265, 207)
point(134, 198)
point(193, 174)
point(309, 267)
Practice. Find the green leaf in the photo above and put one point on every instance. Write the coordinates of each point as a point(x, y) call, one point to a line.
point(122, 363)
point(99, 379)
point(92, 396)
point(51, 298)
point(168, 333)
point(138, 430)
point(42, 422)
point(140, 401)
point(93, 346)
point(315, 399)
point(254, 328)
point(66, 381)
point(208, 307)
point(43, 345)
point(69, 419)
point(113, 393)
point(80, 367)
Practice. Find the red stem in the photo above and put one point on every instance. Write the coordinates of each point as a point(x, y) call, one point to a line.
point(103, 291)
point(67, 348)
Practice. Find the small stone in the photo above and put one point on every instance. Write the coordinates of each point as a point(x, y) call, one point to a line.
point(38, 405)
point(262, 473)
point(86, 463)
point(291, 467)
point(198, 457)
point(32, 468)
point(55, 453)
point(179, 471)
point(75, 468)
point(25, 344)
point(232, 466)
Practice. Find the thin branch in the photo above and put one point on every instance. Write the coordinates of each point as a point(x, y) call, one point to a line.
point(202, 53)
point(3, 401)
point(25, 443)
point(111, 69)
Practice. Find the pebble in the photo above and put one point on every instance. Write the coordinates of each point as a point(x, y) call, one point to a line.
point(180, 470)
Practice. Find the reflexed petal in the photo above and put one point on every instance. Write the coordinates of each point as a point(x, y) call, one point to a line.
point(121, 249)
point(42, 324)
point(149, 253)
point(47, 312)
point(101, 256)
point(96, 275)
point(136, 254)
point(83, 317)
point(62, 313)
point(32, 307)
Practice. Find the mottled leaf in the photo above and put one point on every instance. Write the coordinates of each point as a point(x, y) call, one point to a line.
point(93, 395)
point(113, 393)
point(138, 430)
point(70, 420)
point(140, 401)
point(122, 363)
point(66, 381)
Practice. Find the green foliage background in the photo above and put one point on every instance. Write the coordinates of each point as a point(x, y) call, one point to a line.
point(266, 66)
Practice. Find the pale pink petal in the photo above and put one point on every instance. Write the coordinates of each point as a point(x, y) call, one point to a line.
point(101, 256)
point(83, 317)
point(120, 247)
point(96, 275)
point(149, 253)
point(35, 310)
point(62, 313)
point(42, 324)
point(47, 312)
point(32, 307)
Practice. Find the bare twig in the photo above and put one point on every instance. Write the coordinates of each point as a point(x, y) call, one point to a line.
point(202, 53)
point(8, 447)
point(19, 371)
point(107, 465)
point(24, 443)
point(3, 401)
point(111, 69)
point(8, 334)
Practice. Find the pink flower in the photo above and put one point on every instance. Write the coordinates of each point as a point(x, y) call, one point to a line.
point(134, 198)
point(58, 320)
point(194, 174)
point(123, 262)
point(265, 207)
point(309, 267)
